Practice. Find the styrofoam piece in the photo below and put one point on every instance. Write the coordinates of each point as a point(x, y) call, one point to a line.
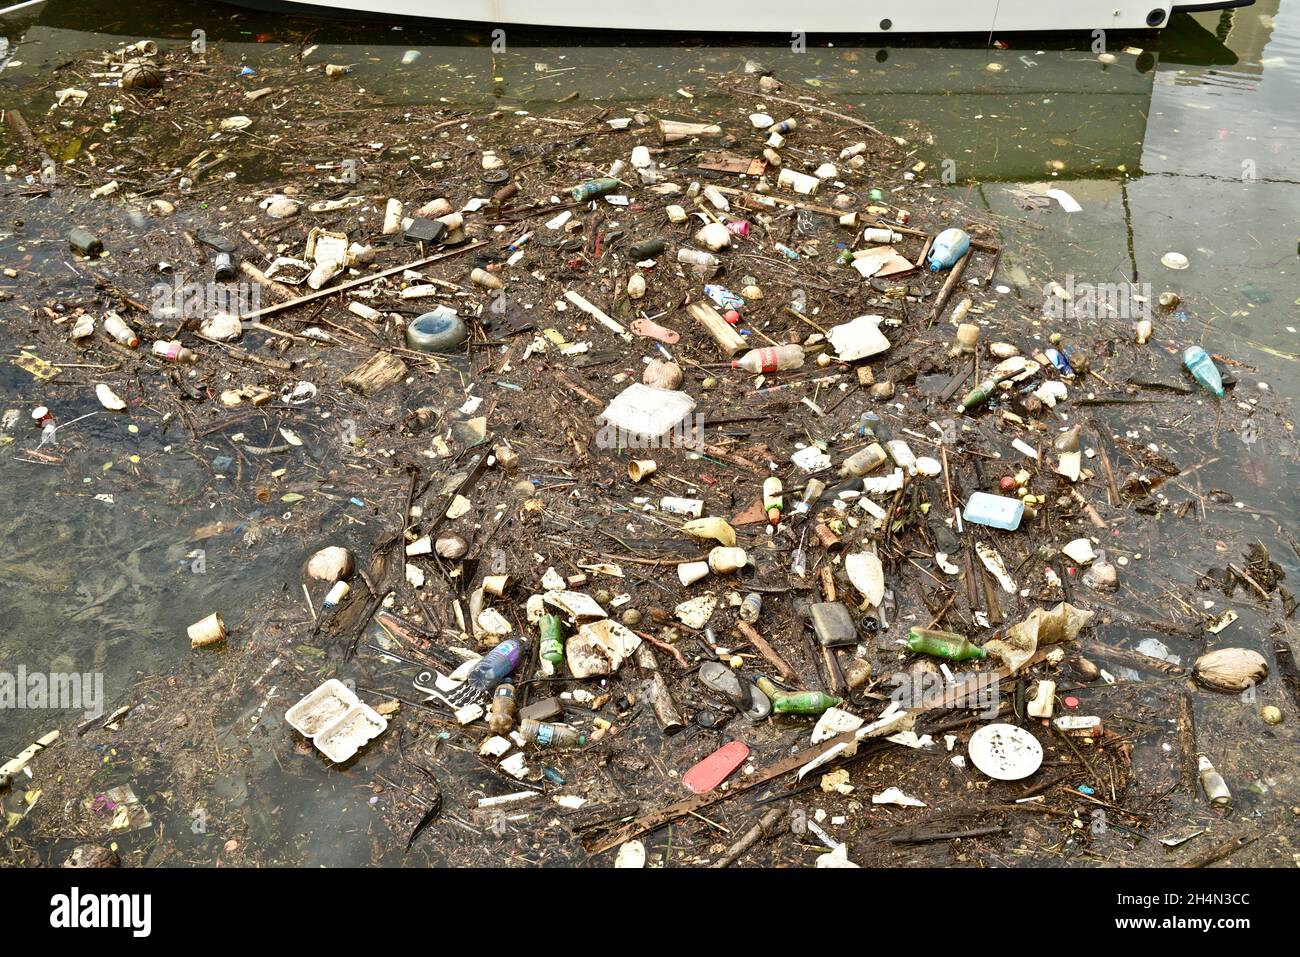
point(995, 511)
point(642, 416)
point(335, 720)
point(858, 339)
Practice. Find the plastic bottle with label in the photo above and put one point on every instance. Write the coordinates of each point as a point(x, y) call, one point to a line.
point(173, 352)
point(770, 359)
point(592, 188)
point(490, 670)
point(864, 460)
point(773, 499)
point(547, 734)
point(501, 716)
point(980, 394)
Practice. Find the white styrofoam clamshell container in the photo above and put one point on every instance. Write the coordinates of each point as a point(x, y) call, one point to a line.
point(336, 720)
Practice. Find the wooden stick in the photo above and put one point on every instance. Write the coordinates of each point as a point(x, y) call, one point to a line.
point(1087, 507)
point(1249, 581)
point(369, 277)
point(598, 315)
point(1133, 659)
point(727, 338)
point(787, 673)
point(750, 838)
point(1187, 765)
point(1221, 851)
point(821, 109)
point(29, 752)
point(949, 285)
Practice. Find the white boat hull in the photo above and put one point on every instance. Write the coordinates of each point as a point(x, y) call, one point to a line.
point(784, 16)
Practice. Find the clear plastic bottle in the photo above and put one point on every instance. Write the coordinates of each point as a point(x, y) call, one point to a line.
point(770, 359)
point(1203, 370)
point(546, 734)
point(492, 668)
point(799, 559)
point(696, 257)
point(116, 327)
point(868, 424)
point(501, 718)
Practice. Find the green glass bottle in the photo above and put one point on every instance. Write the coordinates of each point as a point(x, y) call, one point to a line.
point(980, 394)
point(943, 644)
point(592, 188)
point(804, 702)
point(552, 649)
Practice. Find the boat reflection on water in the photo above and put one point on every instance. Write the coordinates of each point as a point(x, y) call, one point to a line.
point(994, 114)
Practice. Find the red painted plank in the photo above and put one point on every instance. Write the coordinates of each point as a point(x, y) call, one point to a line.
point(716, 768)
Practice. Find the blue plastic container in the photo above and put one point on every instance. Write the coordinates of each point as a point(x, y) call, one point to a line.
point(949, 246)
point(995, 511)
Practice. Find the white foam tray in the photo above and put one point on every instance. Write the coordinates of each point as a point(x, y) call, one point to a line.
point(336, 720)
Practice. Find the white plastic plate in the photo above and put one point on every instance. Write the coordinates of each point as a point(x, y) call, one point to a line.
point(1005, 752)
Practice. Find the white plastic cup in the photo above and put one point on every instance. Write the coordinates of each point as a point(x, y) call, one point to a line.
point(688, 573)
point(208, 631)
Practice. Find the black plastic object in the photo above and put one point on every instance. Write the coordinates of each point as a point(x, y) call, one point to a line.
point(833, 624)
point(425, 231)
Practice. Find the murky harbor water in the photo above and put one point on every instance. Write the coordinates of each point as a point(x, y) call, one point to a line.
point(1188, 144)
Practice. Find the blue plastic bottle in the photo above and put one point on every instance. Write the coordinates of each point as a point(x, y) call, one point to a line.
point(1201, 366)
point(949, 246)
